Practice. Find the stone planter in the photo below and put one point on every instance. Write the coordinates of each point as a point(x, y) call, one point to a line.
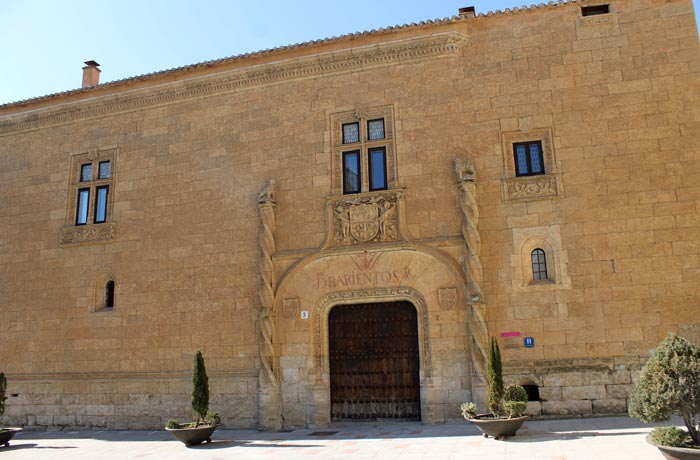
point(6, 434)
point(677, 453)
point(193, 436)
point(498, 428)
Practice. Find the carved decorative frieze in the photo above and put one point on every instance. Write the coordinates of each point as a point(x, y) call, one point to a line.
point(524, 188)
point(347, 60)
point(87, 234)
point(365, 218)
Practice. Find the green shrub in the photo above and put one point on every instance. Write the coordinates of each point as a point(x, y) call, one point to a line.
point(3, 389)
point(515, 393)
point(212, 418)
point(515, 401)
point(468, 410)
point(200, 388)
point(172, 424)
point(669, 384)
point(669, 436)
point(495, 378)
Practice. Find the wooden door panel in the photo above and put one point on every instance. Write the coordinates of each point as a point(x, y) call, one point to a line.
point(374, 362)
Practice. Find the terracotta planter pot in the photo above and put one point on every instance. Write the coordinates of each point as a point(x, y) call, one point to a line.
point(6, 434)
point(498, 428)
point(677, 453)
point(193, 436)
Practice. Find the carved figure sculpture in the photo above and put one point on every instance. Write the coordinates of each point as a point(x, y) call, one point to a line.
point(471, 263)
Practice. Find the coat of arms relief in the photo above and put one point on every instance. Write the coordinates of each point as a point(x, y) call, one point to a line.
point(371, 218)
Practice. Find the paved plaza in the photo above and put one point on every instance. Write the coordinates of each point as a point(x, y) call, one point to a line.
point(614, 438)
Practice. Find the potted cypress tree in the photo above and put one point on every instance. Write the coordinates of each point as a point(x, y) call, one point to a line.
point(5, 433)
point(507, 406)
point(205, 422)
point(669, 384)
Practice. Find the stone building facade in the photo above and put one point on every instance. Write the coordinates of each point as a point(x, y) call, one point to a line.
point(530, 175)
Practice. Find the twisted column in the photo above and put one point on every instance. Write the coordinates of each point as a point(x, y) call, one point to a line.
point(471, 263)
point(269, 397)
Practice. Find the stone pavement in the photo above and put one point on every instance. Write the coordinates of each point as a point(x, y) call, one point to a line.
point(614, 438)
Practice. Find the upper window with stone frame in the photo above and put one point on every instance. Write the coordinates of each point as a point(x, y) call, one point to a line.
point(530, 171)
point(90, 201)
point(363, 150)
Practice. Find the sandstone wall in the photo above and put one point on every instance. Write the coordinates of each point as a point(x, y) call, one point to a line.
point(615, 98)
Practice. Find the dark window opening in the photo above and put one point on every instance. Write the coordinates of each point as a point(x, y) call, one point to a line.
point(595, 10)
point(539, 265)
point(109, 294)
point(529, 160)
point(351, 172)
point(377, 169)
point(533, 392)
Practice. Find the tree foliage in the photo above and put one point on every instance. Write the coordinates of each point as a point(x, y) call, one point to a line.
point(495, 377)
point(200, 388)
point(3, 389)
point(669, 384)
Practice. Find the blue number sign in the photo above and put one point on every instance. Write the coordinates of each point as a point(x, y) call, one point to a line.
point(529, 342)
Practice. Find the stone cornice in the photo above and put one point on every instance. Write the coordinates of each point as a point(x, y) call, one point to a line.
point(347, 60)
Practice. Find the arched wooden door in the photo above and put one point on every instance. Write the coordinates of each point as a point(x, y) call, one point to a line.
point(374, 361)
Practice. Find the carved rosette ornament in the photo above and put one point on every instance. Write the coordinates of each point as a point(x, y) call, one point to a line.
point(270, 414)
point(367, 218)
point(471, 262)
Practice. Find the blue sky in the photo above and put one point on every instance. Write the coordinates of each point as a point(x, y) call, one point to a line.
point(44, 42)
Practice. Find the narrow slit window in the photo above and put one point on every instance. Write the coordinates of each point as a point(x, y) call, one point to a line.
point(101, 204)
point(351, 133)
point(539, 265)
point(351, 172)
point(109, 294)
point(594, 10)
point(81, 215)
point(377, 169)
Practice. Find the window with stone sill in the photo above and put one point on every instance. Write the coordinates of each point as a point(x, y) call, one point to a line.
point(363, 150)
point(530, 170)
point(90, 198)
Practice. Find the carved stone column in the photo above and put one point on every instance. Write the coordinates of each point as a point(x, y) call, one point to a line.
point(269, 398)
point(471, 263)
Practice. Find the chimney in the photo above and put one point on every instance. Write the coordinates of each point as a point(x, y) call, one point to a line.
point(91, 74)
point(467, 12)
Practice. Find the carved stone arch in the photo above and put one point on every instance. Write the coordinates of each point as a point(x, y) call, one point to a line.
point(326, 304)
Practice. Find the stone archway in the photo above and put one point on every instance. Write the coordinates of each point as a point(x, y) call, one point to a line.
point(431, 282)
